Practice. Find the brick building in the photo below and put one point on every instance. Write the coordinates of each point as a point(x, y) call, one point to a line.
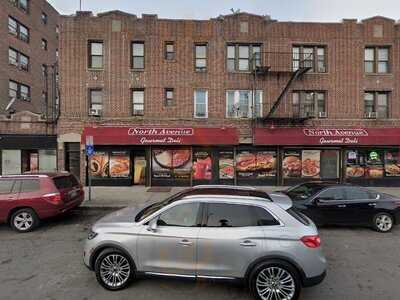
point(29, 43)
point(237, 99)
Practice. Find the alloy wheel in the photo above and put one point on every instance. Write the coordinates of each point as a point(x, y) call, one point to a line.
point(23, 221)
point(384, 222)
point(115, 270)
point(275, 283)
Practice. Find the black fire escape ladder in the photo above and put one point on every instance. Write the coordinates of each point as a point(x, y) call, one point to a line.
point(296, 74)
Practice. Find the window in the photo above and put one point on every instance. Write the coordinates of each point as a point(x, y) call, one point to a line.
point(354, 193)
point(332, 194)
point(6, 186)
point(376, 104)
point(44, 70)
point(138, 102)
point(200, 57)
point(376, 60)
point(44, 44)
point(29, 185)
point(200, 104)
point(95, 102)
point(95, 54)
point(138, 55)
point(239, 104)
point(309, 104)
point(169, 97)
point(65, 182)
point(13, 57)
point(44, 18)
point(169, 50)
point(305, 56)
point(21, 4)
point(19, 91)
point(183, 215)
point(17, 29)
point(235, 215)
point(57, 30)
point(242, 57)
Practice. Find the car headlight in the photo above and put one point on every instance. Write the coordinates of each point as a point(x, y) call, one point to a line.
point(91, 235)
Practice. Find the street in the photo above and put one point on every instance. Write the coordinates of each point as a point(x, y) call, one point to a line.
point(47, 264)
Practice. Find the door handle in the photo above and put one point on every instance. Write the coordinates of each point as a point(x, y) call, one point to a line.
point(342, 205)
point(372, 204)
point(185, 243)
point(248, 243)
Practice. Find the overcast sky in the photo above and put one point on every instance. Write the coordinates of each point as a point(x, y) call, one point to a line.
point(283, 10)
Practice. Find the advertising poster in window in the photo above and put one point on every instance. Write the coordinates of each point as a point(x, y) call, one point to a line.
point(246, 164)
point(119, 164)
point(171, 163)
point(374, 168)
point(139, 166)
point(291, 164)
point(311, 162)
point(226, 165)
point(182, 163)
point(99, 164)
point(265, 164)
point(354, 169)
point(202, 165)
point(392, 163)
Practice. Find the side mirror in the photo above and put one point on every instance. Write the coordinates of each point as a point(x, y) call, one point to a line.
point(321, 200)
point(152, 227)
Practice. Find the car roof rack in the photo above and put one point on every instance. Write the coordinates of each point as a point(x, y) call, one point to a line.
point(224, 186)
point(233, 197)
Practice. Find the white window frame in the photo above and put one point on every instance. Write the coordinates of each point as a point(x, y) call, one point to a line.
point(195, 102)
point(237, 103)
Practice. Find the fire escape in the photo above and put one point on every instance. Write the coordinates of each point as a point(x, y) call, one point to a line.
point(284, 67)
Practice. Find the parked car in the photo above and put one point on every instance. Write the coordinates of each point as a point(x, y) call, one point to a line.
point(263, 242)
point(26, 199)
point(329, 203)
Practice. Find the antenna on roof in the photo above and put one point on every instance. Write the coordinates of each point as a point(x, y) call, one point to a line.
point(235, 11)
point(80, 5)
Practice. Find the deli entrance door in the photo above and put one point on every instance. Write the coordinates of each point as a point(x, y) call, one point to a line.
point(213, 166)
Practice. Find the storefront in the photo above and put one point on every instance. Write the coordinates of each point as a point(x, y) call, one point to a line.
point(162, 156)
point(24, 153)
point(364, 156)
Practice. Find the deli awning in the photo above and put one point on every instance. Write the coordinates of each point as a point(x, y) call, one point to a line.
point(160, 135)
point(309, 136)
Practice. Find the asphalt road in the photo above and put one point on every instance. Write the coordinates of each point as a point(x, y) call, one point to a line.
point(47, 264)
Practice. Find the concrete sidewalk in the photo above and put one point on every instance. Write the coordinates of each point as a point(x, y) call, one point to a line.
point(114, 197)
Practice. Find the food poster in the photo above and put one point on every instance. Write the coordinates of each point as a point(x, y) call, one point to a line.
point(202, 165)
point(171, 163)
point(354, 166)
point(265, 164)
point(291, 164)
point(392, 163)
point(99, 164)
point(226, 165)
point(139, 166)
point(374, 164)
point(119, 164)
point(246, 164)
point(311, 162)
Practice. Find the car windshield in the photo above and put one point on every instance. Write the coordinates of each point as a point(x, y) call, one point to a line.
point(303, 191)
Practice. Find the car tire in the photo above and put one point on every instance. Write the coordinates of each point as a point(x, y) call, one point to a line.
point(275, 274)
point(383, 222)
point(114, 269)
point(24, 220)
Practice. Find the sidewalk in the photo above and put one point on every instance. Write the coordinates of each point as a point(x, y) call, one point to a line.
point(115, 197)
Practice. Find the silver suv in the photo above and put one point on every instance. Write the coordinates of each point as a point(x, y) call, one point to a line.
point(261, 240)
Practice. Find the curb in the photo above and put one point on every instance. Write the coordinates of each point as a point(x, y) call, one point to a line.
point(100, 207)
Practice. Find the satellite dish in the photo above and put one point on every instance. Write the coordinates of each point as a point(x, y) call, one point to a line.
point(10, 104)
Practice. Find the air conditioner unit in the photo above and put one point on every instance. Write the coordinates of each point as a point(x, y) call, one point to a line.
point(322, 114)
point(24, 98)
point(308, 114)
point(95, 112)
point(370, 115)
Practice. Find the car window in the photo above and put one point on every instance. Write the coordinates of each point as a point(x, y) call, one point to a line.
point(354, 193)
point(6, 186)
point(65, 182)
point(332, 194)
point(304, 191)
point(29, 185)
point(237, 215)
point(182, 215)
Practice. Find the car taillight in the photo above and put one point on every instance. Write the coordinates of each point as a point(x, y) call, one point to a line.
point(397, 204)
point(53, 198)
point(311, 241)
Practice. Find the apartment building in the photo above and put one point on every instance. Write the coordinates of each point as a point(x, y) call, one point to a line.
point(28, 54)
point(236, 99)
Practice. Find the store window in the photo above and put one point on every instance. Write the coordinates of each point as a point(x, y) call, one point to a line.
point(171, 164)
point(376, 60)
point(110, 164)
point(376, 105)
point(307, 104)
point(306, 56)
point(95, 54)
point(202, 164)
point(200, 52)
point(138, 102)
point(138, 55)
point(255, 165)
point(95, 102)
point(242, 57)
point(169, 50)
point(200, 104)
point(11, 162)
point(239, 104)
point(226, 165)
point(47, 160)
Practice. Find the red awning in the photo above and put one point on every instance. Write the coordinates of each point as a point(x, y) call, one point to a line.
point(141, 135)
point(327, 136)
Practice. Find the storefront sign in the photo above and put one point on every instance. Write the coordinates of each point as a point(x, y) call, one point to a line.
point(161, 135)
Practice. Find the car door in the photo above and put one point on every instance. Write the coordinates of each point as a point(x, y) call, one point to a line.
point(9, 190)
point(361, 204)
point(171, 248)
point(228, 241)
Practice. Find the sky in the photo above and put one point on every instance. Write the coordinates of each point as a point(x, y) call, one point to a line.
point(282, 10)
